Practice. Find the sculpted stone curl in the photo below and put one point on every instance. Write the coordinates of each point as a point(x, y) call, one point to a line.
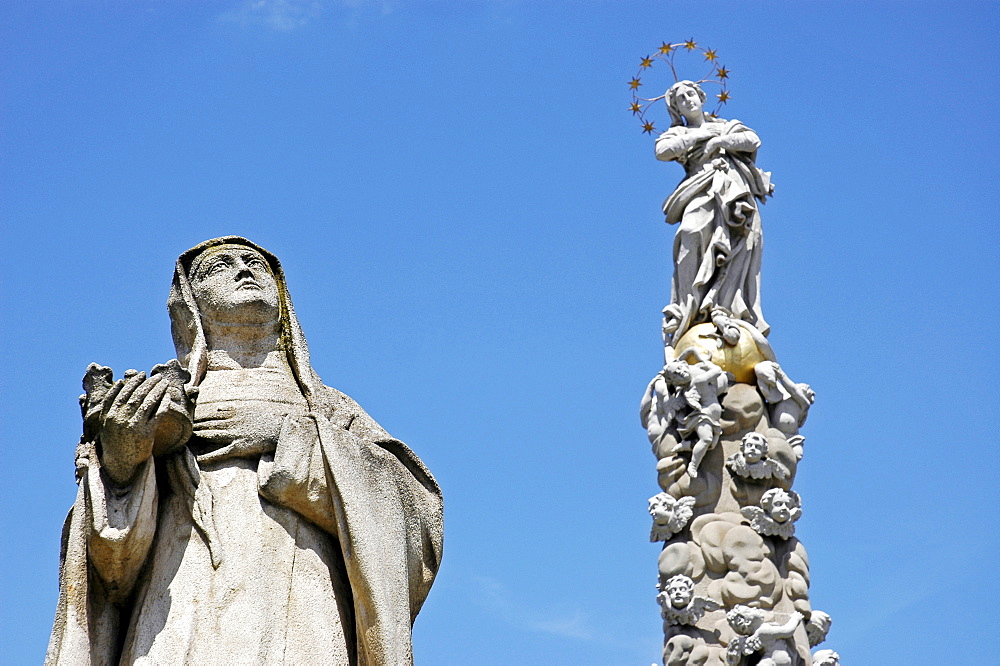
point(231, 504)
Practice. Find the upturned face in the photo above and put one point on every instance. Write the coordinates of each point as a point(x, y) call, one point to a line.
point(781, 507)
point(754, 449)
point(679, 593)
point(677, 372)
point(233, 285)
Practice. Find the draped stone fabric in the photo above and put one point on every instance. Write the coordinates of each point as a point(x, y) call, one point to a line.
point(319, 549)
point(718, 246)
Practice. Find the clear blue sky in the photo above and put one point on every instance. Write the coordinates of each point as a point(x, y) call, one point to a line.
point(469, 220)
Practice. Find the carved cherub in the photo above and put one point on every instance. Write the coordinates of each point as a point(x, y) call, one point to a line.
point(826, 658)
point(818, 627)
point(757, 636)
point(680, 605)
point(670, 515)
point(661, 406)
point(777, 513)
point(751, 462)
point(788, 401)
point(701, 383)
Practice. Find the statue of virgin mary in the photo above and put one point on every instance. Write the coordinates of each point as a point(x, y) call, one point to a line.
point(233, 509)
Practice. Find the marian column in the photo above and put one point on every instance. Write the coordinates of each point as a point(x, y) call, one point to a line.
point(722, 415)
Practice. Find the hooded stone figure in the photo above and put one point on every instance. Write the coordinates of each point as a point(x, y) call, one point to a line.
point(233, 509)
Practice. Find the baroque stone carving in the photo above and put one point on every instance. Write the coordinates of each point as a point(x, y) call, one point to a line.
point(684, 399)
point(723, 416)
point(718, 245)
point(231, 504)
point(777, 513)
point(755, 636)
point(670, 515)
point(751, 462)
point(818, 627)
point(680, 605)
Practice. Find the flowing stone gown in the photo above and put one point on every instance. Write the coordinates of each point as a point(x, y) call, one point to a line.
point(320, 548)
point(718, 246)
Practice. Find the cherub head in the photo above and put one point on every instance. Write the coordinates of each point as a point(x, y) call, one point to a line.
point(677, 372)
point(745, 620)
point(753, 446)
point(781, 505)
point(661, 508)
point(669, 515)
point(680, 590)
point(826, 658)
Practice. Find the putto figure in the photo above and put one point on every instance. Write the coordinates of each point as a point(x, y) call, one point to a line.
point(788, 401)
point(686, 397)
point(680, 605)
point(670, 515)
point(751, 461)
point(777, 513)
point(756, 636)
point(718, 246)
point(231, 505)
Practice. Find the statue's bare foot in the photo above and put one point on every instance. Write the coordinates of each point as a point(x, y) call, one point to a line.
point(692, 470)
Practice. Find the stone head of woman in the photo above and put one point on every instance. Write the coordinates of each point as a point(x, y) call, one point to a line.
point(234, 285)
point(685, 102)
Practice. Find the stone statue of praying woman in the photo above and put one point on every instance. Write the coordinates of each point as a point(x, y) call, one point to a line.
point(233, 508)
point(718, 245)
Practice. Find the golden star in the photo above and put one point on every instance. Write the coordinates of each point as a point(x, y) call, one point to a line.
point(690, 45)
point(723, 97)
point(710, 55)
point(723, 73)
point(634, 83)
point(665, 48)
point(635, 108)
point(647, 128)
point(646, 62)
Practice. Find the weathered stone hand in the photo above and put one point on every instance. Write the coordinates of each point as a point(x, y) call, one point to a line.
point(243, 431)
point(128, 423)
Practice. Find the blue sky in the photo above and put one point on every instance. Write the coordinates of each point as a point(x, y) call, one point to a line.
point(469, 221)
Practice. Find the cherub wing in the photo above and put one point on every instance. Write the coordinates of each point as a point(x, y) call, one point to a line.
point(777, 470)
point(701, 605)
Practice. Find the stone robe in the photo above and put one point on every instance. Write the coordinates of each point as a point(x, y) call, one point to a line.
point(320, 549)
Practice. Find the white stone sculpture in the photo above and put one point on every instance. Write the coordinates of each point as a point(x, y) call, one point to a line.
point(826, 658)
point(233, 508)
point(818, 627)
point(718, 245)
point(679, 605)
point(670, 515)
point(777, 513)
point(721, 387)
point(769, 639)
point(751, 461)
point(788, 401)
point(687, 395)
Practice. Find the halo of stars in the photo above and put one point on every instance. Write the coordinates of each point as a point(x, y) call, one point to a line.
point(718, 74)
